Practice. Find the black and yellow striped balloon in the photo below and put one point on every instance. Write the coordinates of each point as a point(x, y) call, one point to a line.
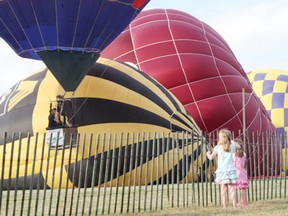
point(120, 112)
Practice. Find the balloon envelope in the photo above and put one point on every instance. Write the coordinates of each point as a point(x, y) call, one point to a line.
point(112, 99)
point(195, 63)
point(271, 87)
point(60, 32)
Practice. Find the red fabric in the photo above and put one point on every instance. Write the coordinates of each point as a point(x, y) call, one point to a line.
point(138, 3)
point(195, 63)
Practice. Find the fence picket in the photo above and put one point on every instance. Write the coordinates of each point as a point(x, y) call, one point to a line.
point(10, 173)
point(124, 172)
point(285, 164)
point(86, 172)
point(152, 170)
point(94, 173)
point(68, 173)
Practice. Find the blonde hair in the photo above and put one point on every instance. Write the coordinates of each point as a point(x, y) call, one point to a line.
point(227, 141)
point(239, 152)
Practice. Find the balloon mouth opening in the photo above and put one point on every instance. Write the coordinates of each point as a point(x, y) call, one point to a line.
point(69, 67)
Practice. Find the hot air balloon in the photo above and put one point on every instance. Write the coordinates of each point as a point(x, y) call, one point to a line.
point(113, 98)
point(195, 63)
point(271, 86)
point(68, 35)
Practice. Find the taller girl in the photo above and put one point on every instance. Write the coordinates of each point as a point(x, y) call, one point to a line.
point(226, 175)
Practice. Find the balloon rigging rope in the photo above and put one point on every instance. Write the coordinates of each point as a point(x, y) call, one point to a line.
point(76, 24)
point(20, 27)
point(82, 104)
point(91, 31)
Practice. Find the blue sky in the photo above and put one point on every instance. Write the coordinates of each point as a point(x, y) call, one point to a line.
point(255, 30)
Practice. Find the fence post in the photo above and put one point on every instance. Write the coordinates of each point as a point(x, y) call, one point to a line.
point(86, 171)
point(68, 173)
point(61, 172)
point(132, 153)
point(25, 172)
point(33, 171)
point(163, 150)
point(74, 173)
point(10, 172)
point(152, 168)
point(285, 164)
point(80, 172)
point(124, 171)
point(137, 158)
point(17, 179)
point(254, 166)
point(158, 154)
point(140, 172)
point(113, 162)
point(167, 150)
point(108, 159)
point(100, 175)
point(146, 170)
point(268, 173)
point(3, 169)
point(192, 165)
point(272, 162)
point(263, 163)
point(94, 173)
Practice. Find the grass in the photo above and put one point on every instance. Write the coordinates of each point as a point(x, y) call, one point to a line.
point(265, 198)
point(265, 207)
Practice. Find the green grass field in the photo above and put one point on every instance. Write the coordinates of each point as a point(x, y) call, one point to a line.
point(265, 198)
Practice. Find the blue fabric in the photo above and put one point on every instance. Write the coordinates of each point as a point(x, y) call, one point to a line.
point(29, 26)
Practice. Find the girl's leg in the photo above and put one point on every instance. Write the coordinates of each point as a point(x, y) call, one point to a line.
point(233, 195)
point(224, 190)
point(244, 197)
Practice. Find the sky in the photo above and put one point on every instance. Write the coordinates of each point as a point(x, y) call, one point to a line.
point(255, 30)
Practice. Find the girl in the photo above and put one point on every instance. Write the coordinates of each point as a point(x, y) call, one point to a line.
point(226, 175)
point(239, 159)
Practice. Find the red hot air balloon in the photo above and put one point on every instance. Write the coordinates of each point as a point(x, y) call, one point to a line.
point(195, 63)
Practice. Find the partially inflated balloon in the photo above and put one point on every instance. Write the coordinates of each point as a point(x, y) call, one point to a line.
point(195, 63)
point(68, 35)
point(113, 99)
point(271, 86)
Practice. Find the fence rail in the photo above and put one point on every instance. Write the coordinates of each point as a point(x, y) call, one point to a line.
point(111, 173)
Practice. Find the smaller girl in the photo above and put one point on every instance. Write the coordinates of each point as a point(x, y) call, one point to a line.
point(239, 159)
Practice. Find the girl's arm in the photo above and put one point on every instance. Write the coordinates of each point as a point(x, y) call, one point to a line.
point(210, 155)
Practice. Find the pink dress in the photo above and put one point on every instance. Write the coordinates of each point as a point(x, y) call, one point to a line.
point(242, 182)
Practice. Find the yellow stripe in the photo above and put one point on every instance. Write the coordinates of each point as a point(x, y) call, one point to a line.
point(23, 90)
